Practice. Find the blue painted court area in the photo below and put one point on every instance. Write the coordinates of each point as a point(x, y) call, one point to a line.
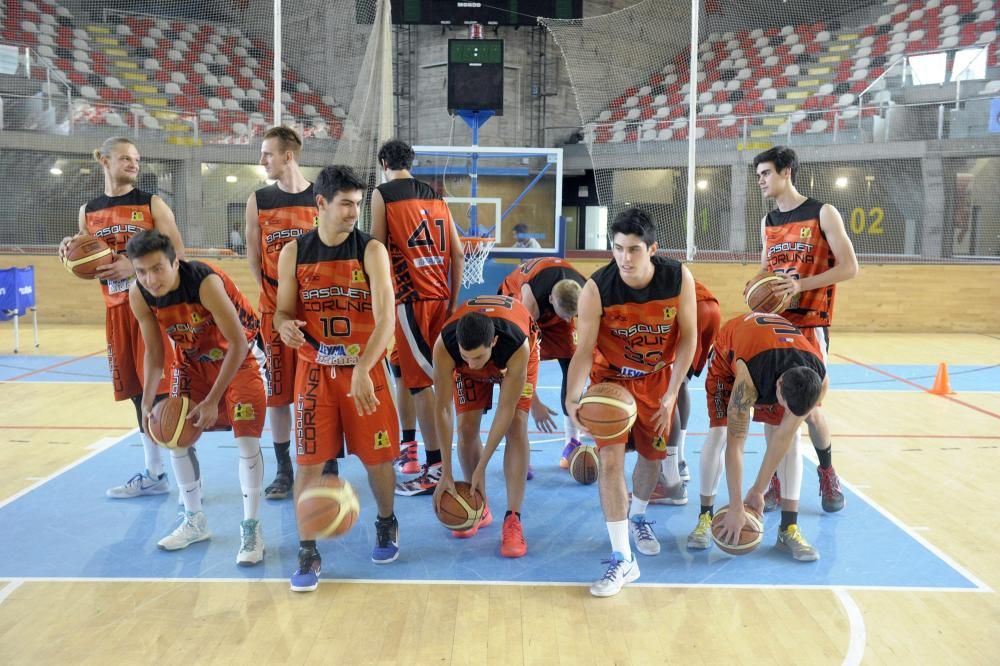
point(67, 528)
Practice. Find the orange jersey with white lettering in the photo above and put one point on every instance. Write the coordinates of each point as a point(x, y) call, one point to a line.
point(513, 325)
point(419, 240)
point(115, 220)
point(541, 275)
point(281, 216)
point(192, 327)
point(335, 299)
point(638, 331)
point(795, 244)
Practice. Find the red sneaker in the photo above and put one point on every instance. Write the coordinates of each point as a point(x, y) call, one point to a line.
point(772, 498)
point(407, 462)
point(512, 543)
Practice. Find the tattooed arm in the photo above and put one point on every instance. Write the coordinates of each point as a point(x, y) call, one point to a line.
point(740, 410)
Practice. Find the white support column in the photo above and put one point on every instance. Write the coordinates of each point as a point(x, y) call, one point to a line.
point(277, 63)
point(692, 128)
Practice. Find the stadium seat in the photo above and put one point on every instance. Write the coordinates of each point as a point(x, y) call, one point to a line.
point(172, 88)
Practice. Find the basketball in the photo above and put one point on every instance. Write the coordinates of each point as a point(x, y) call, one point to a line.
point(169, 426)
point(761, 294)
point(462, 510)
point(607, 410)
point(85, 254)
point(327, 509)
point(750, 536)
point(584, 465)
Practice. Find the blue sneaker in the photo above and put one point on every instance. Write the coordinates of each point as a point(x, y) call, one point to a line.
point(386, 540)
point(140, 484)
point(567, 452)
point(306, 577)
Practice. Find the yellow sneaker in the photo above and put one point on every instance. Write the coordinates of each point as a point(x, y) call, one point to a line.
point(701, 536)
point(792, 541)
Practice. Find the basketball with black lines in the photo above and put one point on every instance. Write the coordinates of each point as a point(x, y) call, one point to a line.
point(607, 410)
point(750, 536)
point(327, 508)
point(169, 425)
point(584, 466)
point(462, 510)
point(761, 294)
point(85, 254)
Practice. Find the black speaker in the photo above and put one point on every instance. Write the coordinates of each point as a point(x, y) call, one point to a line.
point(475, 75)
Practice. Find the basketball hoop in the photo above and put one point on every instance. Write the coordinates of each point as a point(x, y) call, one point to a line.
point(476, 250)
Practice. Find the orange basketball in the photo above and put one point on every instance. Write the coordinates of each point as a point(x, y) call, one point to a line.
point(327, 509)
point(584, 466)
point(85, 254)
point(169, 425)
point(750, 536)
point(460, 512)
point(607, 410)
point(761, 294)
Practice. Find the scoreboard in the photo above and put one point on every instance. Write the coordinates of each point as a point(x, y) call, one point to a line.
point(485, 12)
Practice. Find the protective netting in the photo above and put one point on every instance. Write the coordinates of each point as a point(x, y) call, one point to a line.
point(193, 85)
point(844, 83)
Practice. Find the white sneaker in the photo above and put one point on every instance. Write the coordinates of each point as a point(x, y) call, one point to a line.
point(251, 543)
point(642, 533)
point(682, 468)
point(193, 528)
point(618, 574)
point(140, 484)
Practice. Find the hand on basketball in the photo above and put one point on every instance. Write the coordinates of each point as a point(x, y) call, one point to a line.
point(204, 414)
point(478, 480)
point(446, 484)
point(572, 407)
point(363, 392)
point(789, 284)
point(64, 246)
point(755, 501)
point(119, 269)
point(543, 416)
point(732, 523)
point(290, 333)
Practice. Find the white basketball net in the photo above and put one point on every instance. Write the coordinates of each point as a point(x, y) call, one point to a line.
point(476, 252)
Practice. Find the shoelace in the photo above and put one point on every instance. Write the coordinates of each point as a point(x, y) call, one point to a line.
point(795, 535)
point(134, 481)
point(612, 571)
point(704, 523)
point(645, 532)
point(510, 530)
point(249, 537)
point(383, 532)
point(829, 483)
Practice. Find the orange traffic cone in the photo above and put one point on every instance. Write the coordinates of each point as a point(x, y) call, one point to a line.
point(941, 384)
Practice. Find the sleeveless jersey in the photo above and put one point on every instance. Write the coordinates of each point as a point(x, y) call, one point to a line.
point(419, 235)
point(115, 220)
point(281, 217)
point(701, 293)
point(512, 325)
point(769, 345)
point(541, 276)
point(197, 338)
point(638, 329)
point(335, 299)
point(795, 242)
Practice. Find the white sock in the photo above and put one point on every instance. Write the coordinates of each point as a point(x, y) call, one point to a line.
point(790, 471)
point(638, 507)
point(681, 436)
point(185, 468)
point(251, 475)
point(618, 531)
point(670, 467)
point(570, 430)
point(712, 461)
point(154, 461)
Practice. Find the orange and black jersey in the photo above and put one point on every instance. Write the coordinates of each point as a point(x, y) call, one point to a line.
point(335, 298)
point(541, 276)
point(769, 345)
point(115, 220)
point(512, 324)
point(702, 293)
point(795, 243)
point(189, 324)
point(281, 216)
point(419, 240)
point(638, 328)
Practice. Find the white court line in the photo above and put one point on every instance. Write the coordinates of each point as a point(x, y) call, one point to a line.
point(810, 453)
point(856, 645)
point(52, 381)
point(9, 588)
point(95, 448)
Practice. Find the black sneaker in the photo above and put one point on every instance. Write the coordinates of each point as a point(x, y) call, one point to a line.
point(306, 578)
point(281, 486)
point(386, 540)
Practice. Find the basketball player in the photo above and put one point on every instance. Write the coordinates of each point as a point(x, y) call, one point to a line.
point(489, 340)
point(672, 486)
point(115, 217)
point(550, 289)
point(765, 364)
point(275, 215)
point(213, 327)
point(414, 223)
point(636, 328)
point(804, 241)
point(335, 309)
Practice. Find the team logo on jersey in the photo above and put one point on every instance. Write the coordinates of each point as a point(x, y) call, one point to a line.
point(381, 440)
point(216, 354)
point(195, 318)
point(527, 391)
point(659, 443)
point(805, 232)
point(137, 216)
point(243, 411)
point(669, 313)
point(353, 350)
point(316, 220)
point(357, 275)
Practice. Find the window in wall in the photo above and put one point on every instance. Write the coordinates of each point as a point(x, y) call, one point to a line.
point(969, 64)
